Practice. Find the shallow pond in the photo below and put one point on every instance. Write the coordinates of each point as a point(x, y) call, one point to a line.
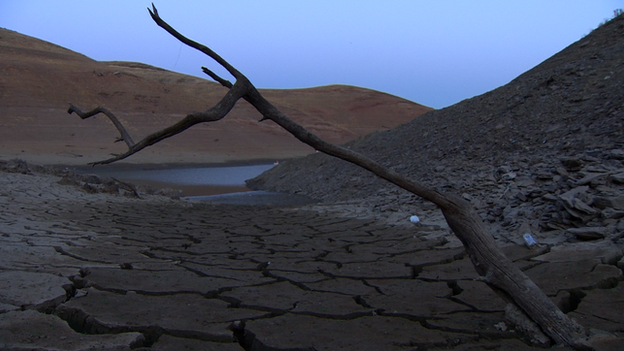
point(193, 181)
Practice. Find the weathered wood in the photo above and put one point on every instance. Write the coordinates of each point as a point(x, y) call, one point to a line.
point(122, 130)
point(492, 265)
point(217, 112)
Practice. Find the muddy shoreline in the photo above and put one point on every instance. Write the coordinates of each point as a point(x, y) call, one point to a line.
point(186, 189)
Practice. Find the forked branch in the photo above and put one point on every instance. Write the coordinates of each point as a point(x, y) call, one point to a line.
point(122, 130)
point(217, 112)
point(491, 264)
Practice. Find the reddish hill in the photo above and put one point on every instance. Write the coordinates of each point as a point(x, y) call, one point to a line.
point(39, 79)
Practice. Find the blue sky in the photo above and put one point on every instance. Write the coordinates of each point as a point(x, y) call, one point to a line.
point(432, 52)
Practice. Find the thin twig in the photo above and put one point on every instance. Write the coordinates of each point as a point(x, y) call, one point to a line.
point(226, 83)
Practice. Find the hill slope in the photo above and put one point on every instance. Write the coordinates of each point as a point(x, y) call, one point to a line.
point(571, 103)
point(39, 79)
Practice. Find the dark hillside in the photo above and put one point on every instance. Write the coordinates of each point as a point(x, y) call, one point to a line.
point(571, 105)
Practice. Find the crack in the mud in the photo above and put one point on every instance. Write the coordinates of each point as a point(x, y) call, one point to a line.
point(277, 278)
point(338, 264)
point(458, 301)
point(492, 335)
point(63, 252)
point(339, 317)
point(360, 301)
point(84, 323)
point(378, 289)
point(333, 276)
point(145, 292)
point(418, 268)
point(200, 273)
point(608, 283)
point(186, 252)
point(572, 301)
point(530, 265)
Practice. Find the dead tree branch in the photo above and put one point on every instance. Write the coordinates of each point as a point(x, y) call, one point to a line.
point(492, 265)
point(122, 130)
point(220, 110)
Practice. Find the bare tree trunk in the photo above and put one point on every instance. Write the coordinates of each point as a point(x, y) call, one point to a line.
point(492, 265)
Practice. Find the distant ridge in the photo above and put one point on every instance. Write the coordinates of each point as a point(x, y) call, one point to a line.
point(40, 79)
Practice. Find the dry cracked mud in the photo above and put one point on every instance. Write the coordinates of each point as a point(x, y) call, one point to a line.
point(85, 270)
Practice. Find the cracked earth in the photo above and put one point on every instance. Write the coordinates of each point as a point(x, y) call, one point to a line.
point(99, 271)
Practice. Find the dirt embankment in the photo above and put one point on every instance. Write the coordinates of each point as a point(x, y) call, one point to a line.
point(39, 80)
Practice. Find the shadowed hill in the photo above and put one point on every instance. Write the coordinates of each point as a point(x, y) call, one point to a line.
point(571, 104)
point(39, 79)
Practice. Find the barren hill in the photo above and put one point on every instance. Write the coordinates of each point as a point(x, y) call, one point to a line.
point(571, 106)
point(39, 79)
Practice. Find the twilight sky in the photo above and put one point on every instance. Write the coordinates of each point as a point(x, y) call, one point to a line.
point(435, 53)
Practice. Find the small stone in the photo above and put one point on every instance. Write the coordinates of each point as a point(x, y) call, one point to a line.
point(572, 164)
point(589, 233)
point(617, 178)
point(583, 207)
point(569, 196)
point(574, 204)
point(562, 171)
point(544, 175)
point(609, 213)
point(592, 178)
point(616, 202)
point(617, 154)
point(501, 326)
point(524, 181)
point(620, 226)
point(509, 176)
point(549, 197)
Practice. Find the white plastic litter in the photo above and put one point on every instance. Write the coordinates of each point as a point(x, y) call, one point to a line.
point(414, 219)
point(528, 239)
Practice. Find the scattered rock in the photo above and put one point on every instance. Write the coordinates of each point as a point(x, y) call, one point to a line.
point(618, 178)
point(617, 154)
point(589, 233)
point(604, 252)
point(615, 202)
point(572, 164)
point(15, 166)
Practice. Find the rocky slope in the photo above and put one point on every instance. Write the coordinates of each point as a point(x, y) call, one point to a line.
point(39, 79)
point(544, 151)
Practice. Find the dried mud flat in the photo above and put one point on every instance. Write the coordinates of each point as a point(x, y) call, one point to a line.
point(110, 271)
